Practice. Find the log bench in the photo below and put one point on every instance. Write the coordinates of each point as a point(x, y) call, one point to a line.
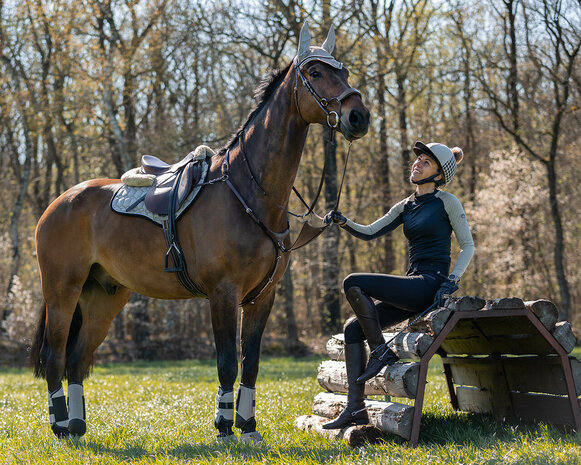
point(503, 357)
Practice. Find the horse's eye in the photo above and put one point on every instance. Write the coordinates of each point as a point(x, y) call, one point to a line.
point(315, 74)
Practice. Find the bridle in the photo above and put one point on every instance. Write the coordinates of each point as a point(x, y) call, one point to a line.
point(321, 101)
point(307, 233)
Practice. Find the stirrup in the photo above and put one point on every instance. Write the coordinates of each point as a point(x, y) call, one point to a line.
point(380, 357)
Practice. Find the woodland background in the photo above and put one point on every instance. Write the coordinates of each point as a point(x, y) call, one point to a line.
point(87, 86)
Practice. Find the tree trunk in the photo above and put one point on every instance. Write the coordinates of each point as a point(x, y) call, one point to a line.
point(288, 304)
point(331, 318)
point(384, 170)
point(559, 243)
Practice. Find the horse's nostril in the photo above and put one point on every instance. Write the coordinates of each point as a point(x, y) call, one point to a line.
point(357, 119)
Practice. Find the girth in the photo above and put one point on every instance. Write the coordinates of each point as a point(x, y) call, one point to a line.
point(171, 237)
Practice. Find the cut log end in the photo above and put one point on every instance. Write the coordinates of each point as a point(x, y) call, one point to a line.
point(355, 436)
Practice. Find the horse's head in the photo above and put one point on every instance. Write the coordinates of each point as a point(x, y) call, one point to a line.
point(325, 96)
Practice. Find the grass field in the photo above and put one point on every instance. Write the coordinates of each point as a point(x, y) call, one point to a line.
point(162, 413)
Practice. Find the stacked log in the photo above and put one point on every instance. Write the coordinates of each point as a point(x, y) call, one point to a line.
point(401, 379)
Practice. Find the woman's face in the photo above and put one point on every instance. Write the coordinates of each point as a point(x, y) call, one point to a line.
point(423, 167)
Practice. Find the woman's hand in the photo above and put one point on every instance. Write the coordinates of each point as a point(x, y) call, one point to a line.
point(334, 217)
point(447, 288)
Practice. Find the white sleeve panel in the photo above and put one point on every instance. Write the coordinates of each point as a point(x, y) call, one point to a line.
point(461, 229)
point(389, 221)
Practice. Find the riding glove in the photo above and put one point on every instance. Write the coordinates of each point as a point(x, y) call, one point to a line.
point(335, 217)
point(447, 288)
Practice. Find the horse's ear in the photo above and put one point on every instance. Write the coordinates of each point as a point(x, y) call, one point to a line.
point(304, 42)
point(329, 43)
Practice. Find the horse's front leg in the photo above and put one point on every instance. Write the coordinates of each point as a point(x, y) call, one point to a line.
point(224, 307)
point(254, 319)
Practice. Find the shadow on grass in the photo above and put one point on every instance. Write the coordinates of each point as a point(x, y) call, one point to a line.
point(215, 450)
point(480, 430)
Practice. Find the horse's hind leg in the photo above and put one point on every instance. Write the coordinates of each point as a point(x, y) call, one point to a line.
point(224, 309)
point(99, 304)
point(60, 308)
point(254, 319)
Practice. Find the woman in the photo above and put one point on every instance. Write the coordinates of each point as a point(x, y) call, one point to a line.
point(428, 216)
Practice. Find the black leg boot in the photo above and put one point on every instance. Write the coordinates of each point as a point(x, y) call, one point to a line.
point(355, 412)
point(368, 318)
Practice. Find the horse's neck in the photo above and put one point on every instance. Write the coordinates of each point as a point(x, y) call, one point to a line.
point(273, 146)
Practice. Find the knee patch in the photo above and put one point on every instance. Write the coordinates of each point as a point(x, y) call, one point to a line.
point(245, 405)
point(353, 331)
point(224, 412)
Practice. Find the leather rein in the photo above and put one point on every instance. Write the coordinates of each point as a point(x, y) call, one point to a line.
point(308, 232)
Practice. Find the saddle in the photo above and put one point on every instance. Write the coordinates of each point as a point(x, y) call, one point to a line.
point(172, 184)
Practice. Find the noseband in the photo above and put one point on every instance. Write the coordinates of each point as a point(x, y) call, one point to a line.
point(322, 101)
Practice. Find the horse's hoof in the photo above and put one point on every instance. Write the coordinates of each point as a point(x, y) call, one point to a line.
point(253, 437)
point(61, 432)
point(226, 438)
point(77, 427)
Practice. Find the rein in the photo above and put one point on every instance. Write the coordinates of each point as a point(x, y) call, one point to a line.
point(308, 232)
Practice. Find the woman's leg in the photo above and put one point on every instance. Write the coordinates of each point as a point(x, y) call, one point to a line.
point(412, 293)
point(355, 359)
point(407, 294)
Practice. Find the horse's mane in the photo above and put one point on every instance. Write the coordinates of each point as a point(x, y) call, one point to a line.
point(262, 93)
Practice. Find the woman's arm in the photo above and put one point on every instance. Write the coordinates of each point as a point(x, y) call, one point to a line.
point(461, 229)
point(387, 223)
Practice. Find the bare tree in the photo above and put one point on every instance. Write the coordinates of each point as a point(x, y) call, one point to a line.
point(538, 79)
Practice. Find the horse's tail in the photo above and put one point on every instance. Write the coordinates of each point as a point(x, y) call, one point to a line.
point(39, 350)
point(37, 344)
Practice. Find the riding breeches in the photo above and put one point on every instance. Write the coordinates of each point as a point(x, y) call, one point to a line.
point(400, 297)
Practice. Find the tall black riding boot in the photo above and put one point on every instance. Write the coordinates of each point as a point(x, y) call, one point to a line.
point(368, 318)
point(355, 412)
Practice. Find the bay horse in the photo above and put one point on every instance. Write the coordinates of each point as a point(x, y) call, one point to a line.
point(91, 258)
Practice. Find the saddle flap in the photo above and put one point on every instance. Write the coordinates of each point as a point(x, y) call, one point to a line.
point(183, 179)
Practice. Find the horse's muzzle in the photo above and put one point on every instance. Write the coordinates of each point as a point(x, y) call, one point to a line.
point(356, 124)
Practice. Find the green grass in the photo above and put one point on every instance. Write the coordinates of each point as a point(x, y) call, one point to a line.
point(162, 413)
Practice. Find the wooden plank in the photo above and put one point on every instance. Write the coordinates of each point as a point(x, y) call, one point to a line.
point(471, 399)
point(389, 417)
point(545, 311)
point(523, 374)
point(410, 345)
point(563, 333)
point(485, 336)
point(526, 407)
point(576, 370)
point(541, 407)
point(465, 303)
point(355, 436)
point(398, 380)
